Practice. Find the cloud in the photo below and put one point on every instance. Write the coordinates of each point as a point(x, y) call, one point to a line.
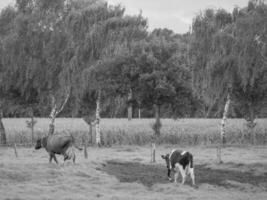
point(5, 3)
point(174, 14)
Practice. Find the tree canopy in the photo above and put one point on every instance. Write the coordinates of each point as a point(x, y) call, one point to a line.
point(47, 47)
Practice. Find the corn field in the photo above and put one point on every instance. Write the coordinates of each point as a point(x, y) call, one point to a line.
point(140, 132)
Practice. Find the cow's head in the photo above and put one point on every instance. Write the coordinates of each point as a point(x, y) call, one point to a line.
point(167, 160)
point(41, 142)
point(38, 144)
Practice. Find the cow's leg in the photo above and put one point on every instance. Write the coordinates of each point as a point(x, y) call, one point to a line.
point(176, 175)
point(50, 158)
point(192, 175)
point(182, 171)
point(74, 157)
point(55, 158)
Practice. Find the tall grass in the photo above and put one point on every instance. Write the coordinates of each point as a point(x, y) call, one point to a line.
point(139, 131)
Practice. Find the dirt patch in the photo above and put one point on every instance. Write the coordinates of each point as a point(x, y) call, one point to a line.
point(136, 172)
point(150, 174)
point(223, 177)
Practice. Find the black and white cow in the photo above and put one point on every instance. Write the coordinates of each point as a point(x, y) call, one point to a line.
point(180, 161)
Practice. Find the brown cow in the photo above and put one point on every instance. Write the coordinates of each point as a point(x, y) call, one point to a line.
point(58, 144)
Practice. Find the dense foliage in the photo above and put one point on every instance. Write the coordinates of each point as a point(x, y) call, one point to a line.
point(89, 45)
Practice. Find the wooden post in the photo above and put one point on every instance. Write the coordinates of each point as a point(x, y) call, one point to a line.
point(85, 146)
point(15, 149)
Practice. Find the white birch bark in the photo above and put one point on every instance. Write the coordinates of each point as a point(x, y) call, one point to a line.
point(56, 110)
point(223, 122)
point(97, 125)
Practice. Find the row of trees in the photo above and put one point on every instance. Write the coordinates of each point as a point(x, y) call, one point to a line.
point(93, 58)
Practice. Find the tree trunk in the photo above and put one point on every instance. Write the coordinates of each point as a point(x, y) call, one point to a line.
point(130, 105)
point(156, 128)
point(251, 124)
point(153, 151)
point(85, 142)
point(32, 128)
point(139, 108)
point(97, 125)
point(56, 110)
point(2, 128)
point(52, 121)
point(91, 133)
point(222, 138)
point(157, 117)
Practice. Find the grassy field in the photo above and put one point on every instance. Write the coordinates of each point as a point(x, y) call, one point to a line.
point(139, 131)
point(125, 172)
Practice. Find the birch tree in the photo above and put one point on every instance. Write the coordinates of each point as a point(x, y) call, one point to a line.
point(99, 33)
point(35, 54)
point(228, 63)
point(7, 16)
point(213, 65)
point(250, 50)
point(163, 74)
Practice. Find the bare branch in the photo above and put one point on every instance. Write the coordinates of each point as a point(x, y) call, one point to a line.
point(65, 100)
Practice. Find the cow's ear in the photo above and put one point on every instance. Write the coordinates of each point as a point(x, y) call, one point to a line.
point(163, 157)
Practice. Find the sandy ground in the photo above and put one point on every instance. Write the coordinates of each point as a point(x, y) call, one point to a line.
point(125, 172)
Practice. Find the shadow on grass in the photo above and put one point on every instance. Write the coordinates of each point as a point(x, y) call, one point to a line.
point(150, 174)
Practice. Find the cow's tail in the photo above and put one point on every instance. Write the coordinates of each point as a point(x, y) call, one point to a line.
point(74, 143)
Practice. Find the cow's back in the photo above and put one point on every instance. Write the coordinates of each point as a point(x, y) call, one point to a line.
point(58, 144)
point(177, 156)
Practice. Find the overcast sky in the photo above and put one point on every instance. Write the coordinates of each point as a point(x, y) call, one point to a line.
point(173, 14)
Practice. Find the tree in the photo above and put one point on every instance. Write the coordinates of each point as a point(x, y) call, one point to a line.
point(99, 33)
point(164, 74)
point(6, 17)
point(34, 53)
point(212, 70)
point(228, 63)
point(249, 48)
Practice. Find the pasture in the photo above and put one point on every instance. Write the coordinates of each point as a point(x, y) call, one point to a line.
point(125, 172)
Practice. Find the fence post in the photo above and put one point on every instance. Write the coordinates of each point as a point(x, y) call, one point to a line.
point(15, 149)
